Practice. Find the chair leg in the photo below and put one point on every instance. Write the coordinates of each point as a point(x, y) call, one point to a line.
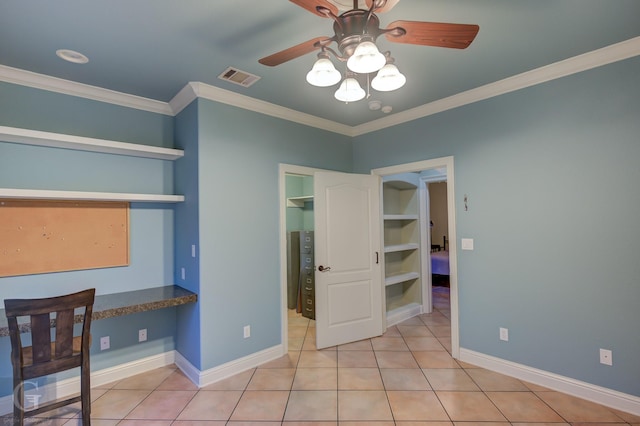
point(18, 417)
point(85, 392)
point(18, 403)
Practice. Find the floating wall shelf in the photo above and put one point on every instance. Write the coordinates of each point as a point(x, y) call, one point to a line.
point(81, 143)
point(39, 194)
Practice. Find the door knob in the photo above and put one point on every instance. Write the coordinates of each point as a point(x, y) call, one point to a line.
point(324, 268)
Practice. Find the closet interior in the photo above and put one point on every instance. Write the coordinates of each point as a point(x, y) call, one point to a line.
point(300, 260)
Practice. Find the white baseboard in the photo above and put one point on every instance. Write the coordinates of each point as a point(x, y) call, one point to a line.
point(398, 315)
point(64, 388)
point(604, 396)
point(68, 387)
point(204, 378)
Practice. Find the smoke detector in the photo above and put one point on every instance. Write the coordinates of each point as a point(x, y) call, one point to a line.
point(375, 105)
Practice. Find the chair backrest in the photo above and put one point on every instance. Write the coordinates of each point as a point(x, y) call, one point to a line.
point(45, 356)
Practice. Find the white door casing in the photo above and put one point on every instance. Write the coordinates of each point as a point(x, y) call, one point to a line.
point(446, 164)
point(347, 241)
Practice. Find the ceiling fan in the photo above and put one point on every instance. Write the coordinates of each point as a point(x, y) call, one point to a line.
point(355, 34)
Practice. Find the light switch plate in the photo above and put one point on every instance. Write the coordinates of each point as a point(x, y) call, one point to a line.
point(467, 244)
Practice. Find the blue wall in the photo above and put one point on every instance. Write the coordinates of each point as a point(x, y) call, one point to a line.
point(187, 235)
point(151, 224)
point(551, 173)
point(238, 157)
point(52, 112)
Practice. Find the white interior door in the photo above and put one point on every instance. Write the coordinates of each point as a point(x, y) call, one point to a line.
point(348, 258)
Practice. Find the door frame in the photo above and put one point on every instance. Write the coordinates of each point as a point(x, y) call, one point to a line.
point(447, 164)
point(426, 239)
point(427, 236)
point(283, 170)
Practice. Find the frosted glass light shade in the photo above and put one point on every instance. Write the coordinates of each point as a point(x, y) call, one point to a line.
point(349, 91)
point(366, 58)
point(389, 78)
point(323, 74)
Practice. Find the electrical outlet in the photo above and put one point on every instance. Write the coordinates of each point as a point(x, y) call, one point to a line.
point(182, 273)
point(142, 335)
point(104, 343)
point(247, 331)
point(606, 357)
point(504, 334)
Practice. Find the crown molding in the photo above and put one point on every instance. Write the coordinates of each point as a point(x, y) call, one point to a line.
point(182, 99)
point(193, 90)
point(205, 91)
point(606, 55)
point(72, 88)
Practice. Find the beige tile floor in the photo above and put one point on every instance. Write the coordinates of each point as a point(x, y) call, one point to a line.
point(405, 377)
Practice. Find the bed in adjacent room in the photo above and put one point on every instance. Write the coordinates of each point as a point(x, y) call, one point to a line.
point(440, 265)
point(440, 262)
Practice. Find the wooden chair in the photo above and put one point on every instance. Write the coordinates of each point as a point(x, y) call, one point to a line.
point(45, 356)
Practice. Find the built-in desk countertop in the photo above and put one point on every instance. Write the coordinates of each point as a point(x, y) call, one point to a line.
point(118, 304)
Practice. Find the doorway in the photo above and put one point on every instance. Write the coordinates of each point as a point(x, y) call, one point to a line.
point(440, 165)
point(435, 170)
point(296, 212)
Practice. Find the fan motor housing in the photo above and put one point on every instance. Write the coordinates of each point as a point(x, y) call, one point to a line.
point(352, 26)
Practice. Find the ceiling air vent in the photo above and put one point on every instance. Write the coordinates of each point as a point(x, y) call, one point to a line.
point(235, 76)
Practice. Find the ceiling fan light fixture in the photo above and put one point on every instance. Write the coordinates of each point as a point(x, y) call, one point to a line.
point(323, 73)
point(389, 78)
point(356, 29)
point(350, 91)
point(366, 58)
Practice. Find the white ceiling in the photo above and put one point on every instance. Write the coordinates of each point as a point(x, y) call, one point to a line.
point(153, 48)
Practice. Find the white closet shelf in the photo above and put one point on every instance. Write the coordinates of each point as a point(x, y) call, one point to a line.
point(400, 217)
point(401, 247)
point(298, 201)
point(42, 194)
point(81, 143)
point(400, 278)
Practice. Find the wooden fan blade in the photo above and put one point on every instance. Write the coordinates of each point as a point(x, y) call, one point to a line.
point(291, 53)
point(456, 36)
point(310, 5)
point(385, 8)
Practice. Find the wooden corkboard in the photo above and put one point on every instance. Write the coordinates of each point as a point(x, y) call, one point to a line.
point(41, 236)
